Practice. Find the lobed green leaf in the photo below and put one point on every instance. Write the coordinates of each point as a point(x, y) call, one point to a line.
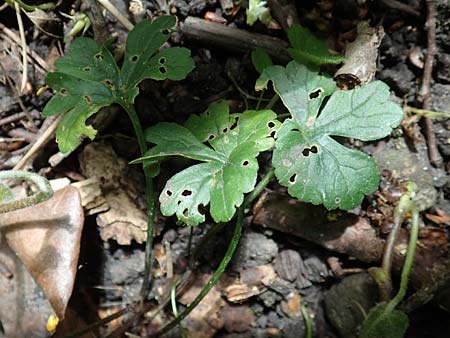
point(307, 159)
point(88, 78)
point(230, 169)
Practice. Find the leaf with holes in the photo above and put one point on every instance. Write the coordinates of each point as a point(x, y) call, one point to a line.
point(313, 165)
point(88, 78)
point(229, 168)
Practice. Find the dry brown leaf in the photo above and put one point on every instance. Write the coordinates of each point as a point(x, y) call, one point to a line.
point(91, 196)
point(124, 221)
point(360, 57)
point(204, 321)
point(46, 237)
point(442, 218)
point(252, 282)
point(255, 276)
point(24, 309)
point(238, 292)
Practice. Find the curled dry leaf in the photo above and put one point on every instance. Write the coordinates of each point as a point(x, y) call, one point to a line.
point(238, 293)
point(252, 282)
point(124, 221)
point(46, 238)
point(360, 57)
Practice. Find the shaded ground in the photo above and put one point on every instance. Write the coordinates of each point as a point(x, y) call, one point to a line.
point(290, 253)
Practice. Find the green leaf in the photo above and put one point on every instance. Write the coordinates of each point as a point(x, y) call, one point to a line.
point(307, 48)
point(88, 77)
point(261, 59)
point(230, 166)
point(307, 159)
point(382, 322)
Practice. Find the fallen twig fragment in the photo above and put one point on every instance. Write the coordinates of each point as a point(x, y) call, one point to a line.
point(233, 38)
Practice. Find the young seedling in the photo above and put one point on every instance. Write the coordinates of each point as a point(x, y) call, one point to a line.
point(314, 166)
point(88, 78)
point(384, 320)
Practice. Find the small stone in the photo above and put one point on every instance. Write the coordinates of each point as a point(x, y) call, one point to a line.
point(263, 274)
point(293, 328)
point(316, 269)
point(406, 165)
point(269, 298)
point(237, 318)
point(346, 302)
point(399, 78)
point(289, 264)
point(254, 249)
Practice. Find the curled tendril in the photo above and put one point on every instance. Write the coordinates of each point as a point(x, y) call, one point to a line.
point(7, 200)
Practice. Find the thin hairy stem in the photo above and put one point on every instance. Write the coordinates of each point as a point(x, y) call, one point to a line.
point(44, 192)
point(228, 255)
point(150, 200)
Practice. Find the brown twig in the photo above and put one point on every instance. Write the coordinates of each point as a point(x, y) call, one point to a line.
point(98, 21)
point(43, 66)
point(23, 44)
point(13, 88)
point(117, 14)
point(44, 136)
point(233, 38)
point(394, 4)
point(12, 118)
point(425, 92)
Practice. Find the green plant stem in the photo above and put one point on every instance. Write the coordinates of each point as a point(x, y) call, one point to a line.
point(150, 199)
point(399, 213)
point(414, 233)
point(272, 101)
point(44, 192)
point(129, 309)
point(308, 322)
point(258, 104)
point(175, 310)
point(242, 91)
point(191, 233)
point(215, 277)
point(424, 112)
point(228, 255)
